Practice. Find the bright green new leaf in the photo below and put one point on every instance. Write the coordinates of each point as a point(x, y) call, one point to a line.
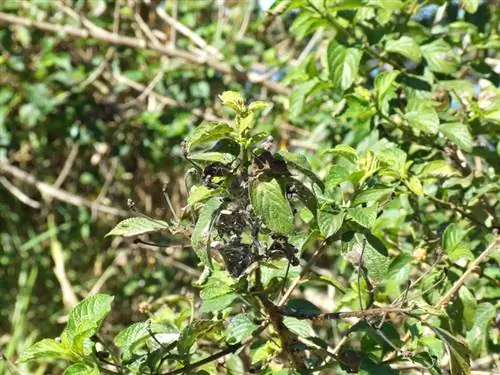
point(233, 100)
point(459, 134)
point(48, 349)
point(135, 226)
point(390, 5)
point(240, 327)
point(258, 104)
point(85, 319)
point(470, 6)
point(81, 368)
point(343, 64)
point(405, 46)
point(415, 186)
point(203, 228)
point(201, 193)
point(271, 205)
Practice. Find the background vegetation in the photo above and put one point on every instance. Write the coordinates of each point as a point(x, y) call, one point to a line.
point(96, 97)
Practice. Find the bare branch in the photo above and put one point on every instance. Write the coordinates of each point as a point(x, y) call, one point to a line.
point(122, 40)
point(57, 193)
point(470, 269)
point(16, 192)
point(68, 165)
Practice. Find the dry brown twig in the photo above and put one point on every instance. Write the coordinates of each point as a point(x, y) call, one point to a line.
point(92, 31)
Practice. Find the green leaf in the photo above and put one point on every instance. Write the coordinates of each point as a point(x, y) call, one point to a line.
point(240, 327)
point(233, 99)
point(459, 134)
point(437, 168)
point(457, 350)
point(272, 207)
point(393, 161)
point(405, 46)
point(235, 365)
point(384, 89)
point(81, 368)
point(425, 119)
point(415, 186)
point(453, 242)
point(469, 306)
point(477, 337)
point(391, 5)
point(191, 333)
point(372, 195)
point(368, 367)
point(470, 6)
point(343, 151)
point(218, 303)
point(336, 175)
point(329, 223)
point(48, 349)
point(300, 327)
point(439, 56)
point(208, 131)
point(298, 97)
point(364, 216)
point(201, 232)
point(85, 319)
point(200, 193)
point(134, 226)
point(258, 104)
point(299, 162)
point(222, 157)
point(343, 64)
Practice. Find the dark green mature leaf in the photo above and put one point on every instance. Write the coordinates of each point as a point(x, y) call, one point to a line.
point(459, 134)
point(364, 216)
point(374, 257)
point(201, 232)
point(405, 46)
point(329, 223)
point(457, 350)
point(135, 226)
point(191, 333)
point(271, 205)
point(208, 131)
point(343, 64)
point(48, 349)
point(298, 97)
point(439, 56)
point(81, 368)
point(368, 367)
point(85, 319)
point(453, 242)
point(299, 161)
point(240, 327)
point(469, 306)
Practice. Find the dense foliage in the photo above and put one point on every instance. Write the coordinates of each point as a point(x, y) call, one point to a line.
point(336, 212)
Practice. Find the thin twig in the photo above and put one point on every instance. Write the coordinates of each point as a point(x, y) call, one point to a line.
point(59, 194)
point(470, 269)
point(16, 192)
point(188, 33)
point(107, 183)
point(68, 165)
point(122, 40)
point(230, 349)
